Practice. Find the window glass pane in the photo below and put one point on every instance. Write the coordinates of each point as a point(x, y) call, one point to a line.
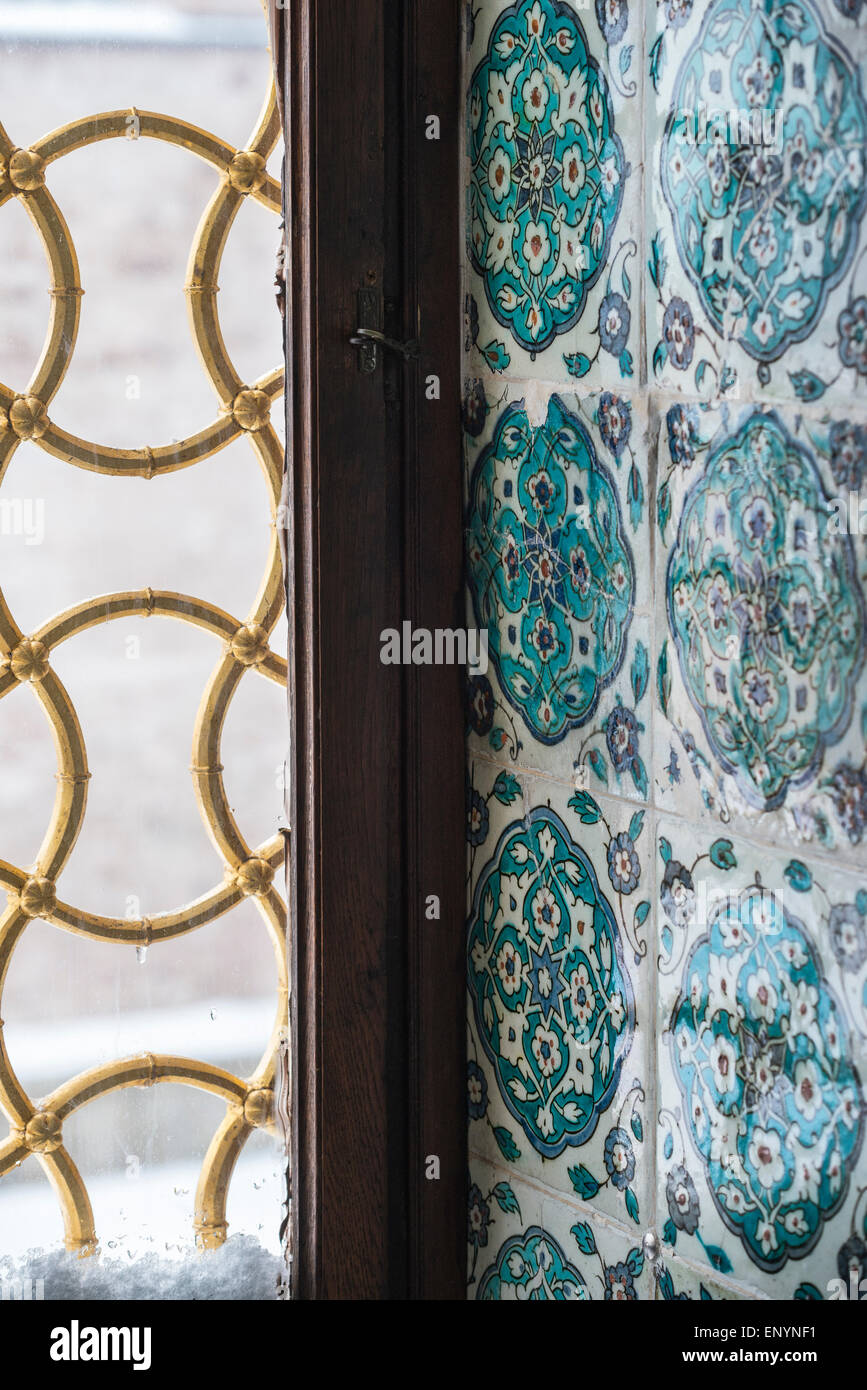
point(143, 999)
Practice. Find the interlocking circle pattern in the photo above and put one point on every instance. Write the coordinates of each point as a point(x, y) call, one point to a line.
point(26, 659)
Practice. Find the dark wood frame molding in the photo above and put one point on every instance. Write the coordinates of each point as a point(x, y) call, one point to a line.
point(375, 536)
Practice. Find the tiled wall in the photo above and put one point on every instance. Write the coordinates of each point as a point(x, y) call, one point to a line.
point(666, 351)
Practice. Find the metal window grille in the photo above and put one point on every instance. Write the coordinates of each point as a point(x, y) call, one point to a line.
point(25, 658)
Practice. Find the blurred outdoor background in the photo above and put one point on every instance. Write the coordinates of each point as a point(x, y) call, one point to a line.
point(135, 379)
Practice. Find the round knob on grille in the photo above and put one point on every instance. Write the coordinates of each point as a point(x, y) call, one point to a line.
point(258, 1107)
point(253, 877)
point(250, 644)
point(26, 170)
point(43, 1132)
point(38, 897)
point(247, 171)
point(29, 661)
point(28, 417)
point(251, 409)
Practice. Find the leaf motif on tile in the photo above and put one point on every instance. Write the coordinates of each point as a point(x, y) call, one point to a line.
point(632, 1204)
point(585, 1238)
point(480, 1215)
point(506, 1144)
point(663, 678)
point(507, 788)
point(807, 386)
point(798, 876)
point(583, 1182)
point(477, 1109)
point(722, 854)
point(586, 808)
point(505, 1197)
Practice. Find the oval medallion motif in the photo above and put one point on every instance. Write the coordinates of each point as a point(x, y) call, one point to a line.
point(762, 169)
point(547, 171)
point(765, 610)
point(552, 1000)
point(549, 569)
point(771, 1099)
point(531, 1268)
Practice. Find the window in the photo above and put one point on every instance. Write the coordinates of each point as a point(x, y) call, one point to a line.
point(143, 985)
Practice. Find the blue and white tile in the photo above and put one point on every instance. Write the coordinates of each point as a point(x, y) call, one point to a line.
point(679, 1280)
point(760, 687)
point(528, 1246)
point(553, 204)
point(762, 1049)
point(559, 577)
point(559, 986)
point(756, 279)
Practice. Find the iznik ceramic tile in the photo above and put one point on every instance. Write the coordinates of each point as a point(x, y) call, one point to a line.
point(526, 1246)
point(678, 1280)
point(760, 680)
point(553, 205)
point(674, 588)
point(558, 567)
point(762, 1055)
point(558, 981)
point(756, 198)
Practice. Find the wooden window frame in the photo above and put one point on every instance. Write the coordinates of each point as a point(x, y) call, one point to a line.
point(376, 806)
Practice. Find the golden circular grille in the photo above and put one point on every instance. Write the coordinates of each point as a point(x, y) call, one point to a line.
point(37, 1128)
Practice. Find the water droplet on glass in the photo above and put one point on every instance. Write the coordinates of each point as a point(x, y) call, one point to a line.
point(141, 954)
point(213, 1015)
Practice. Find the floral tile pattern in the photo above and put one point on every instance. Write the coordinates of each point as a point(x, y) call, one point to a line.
point(557, 549)
point(763, 1045)
point(758, 197)
point(665, 450)
point(557, 981)
point(552, 154)
point(678, 1280)
point(526, 1245)
point(761, 687)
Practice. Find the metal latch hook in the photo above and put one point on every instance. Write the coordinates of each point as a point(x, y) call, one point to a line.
point(363, 336)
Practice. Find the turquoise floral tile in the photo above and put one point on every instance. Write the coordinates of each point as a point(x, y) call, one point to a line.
point(760, 687)
point(762, 1050)
point(526, 1246)
point(553, 164)
point(495, 1217)
point(559, 988)
point(557, 530)
point(674, 591)
point(757, 124)
point(678, 1280)
point(609, 1257)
